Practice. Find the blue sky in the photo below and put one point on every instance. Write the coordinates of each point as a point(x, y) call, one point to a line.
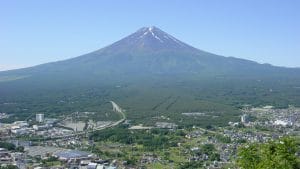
point(35, 32)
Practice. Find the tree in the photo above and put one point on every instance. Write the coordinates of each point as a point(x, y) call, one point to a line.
point(8, 146)
point(248, 157)
point(20, 149)
point(191, 165)
point(9, 167)
point(208, 148)
point(279, 154)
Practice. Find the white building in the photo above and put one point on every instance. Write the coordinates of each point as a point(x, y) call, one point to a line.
point(20, 124)
point(20, 131)
point(283, 123)
point(39, 118)
point(244, 118)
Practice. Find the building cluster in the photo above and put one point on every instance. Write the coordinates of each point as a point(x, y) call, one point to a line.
point(227, 139)
point(238, 136)
point(5, 156)
point(67, 158)
point(149, 158)
point(3, 115)
point(269, 117)
point(44, 127)
point(166, 125)
point(12, 158)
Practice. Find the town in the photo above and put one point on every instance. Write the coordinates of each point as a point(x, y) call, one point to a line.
point(52, 143)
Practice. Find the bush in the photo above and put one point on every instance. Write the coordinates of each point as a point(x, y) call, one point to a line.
point(278, 154)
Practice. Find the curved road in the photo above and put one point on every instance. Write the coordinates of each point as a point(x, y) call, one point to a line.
point(118, 109)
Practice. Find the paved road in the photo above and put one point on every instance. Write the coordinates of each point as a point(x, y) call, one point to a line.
point(118, 109)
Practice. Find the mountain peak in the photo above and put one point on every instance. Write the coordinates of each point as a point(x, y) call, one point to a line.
point(153, 32)
point(150, 28)
point(150, 39)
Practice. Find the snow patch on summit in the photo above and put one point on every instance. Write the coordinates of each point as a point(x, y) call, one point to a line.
point(150, 30)
point(156, 37)
point(159, 35)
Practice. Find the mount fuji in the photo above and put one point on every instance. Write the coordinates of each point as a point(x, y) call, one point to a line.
point(149, 71)
point(148, 52)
